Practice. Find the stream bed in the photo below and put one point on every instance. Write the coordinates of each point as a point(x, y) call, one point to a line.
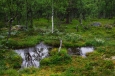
point(31, 56)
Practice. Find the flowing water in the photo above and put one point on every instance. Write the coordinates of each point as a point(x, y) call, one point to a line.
point(85, 50)
point(80, 51)
point(31, 56)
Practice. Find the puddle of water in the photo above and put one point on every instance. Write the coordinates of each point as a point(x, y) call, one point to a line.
point(32, 56)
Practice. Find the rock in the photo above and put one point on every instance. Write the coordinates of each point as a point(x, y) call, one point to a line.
point(96, 24)
point(18, 27)
point(108, 26)
point(73, 51)
point(113, 57)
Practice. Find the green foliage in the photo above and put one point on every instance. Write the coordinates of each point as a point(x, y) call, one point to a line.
point(9, 72)
point(72, 37)
point(70, 72)
point(95, 42)
point(56, 58)
point(11, 43)
point(41, 22)
point(31, 70)
point(54, 51)
point(93, 65)
point(9, 59)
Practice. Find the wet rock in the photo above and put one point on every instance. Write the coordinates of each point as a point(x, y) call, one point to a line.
point(73, 51)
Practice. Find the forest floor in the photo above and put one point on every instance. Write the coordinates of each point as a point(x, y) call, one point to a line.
point(99, 62)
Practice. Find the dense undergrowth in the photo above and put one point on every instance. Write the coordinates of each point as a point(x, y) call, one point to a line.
point(98, 63)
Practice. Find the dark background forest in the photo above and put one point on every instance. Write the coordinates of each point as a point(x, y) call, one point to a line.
point(24, 11)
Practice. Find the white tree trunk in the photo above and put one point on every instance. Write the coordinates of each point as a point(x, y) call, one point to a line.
point(52, 24)
point(60, 46)
point(52, 18)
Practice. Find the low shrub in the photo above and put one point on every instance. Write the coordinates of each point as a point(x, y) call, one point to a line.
point(57, 58)
point(45, 61)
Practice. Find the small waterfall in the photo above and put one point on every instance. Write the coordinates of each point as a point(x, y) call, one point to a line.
point(32, 56)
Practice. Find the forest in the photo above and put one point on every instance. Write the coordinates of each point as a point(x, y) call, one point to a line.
point(57, 37)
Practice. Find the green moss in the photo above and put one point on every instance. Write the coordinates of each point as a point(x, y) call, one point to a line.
point(28, 71)
point(56, 58)
point(9, 72)
point(100, 38)
point(9, 59)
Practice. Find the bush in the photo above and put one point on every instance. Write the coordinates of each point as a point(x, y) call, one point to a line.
point(45, 61)
point(57, 58)
point(53, 52)
point(61, 57)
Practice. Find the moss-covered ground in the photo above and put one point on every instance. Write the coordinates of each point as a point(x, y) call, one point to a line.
point(100, 62)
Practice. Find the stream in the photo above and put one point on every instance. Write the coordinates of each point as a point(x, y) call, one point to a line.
point(31, 56)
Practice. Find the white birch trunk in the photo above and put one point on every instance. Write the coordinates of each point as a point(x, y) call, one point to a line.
point(60, 46)
point(52, 18)
point(52, 24)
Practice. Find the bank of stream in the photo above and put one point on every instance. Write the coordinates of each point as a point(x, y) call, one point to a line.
point(31, 56)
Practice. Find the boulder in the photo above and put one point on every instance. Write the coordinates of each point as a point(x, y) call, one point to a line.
point(96, 24)
point(108, 26)
point(113, 57)
point(17, 27)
